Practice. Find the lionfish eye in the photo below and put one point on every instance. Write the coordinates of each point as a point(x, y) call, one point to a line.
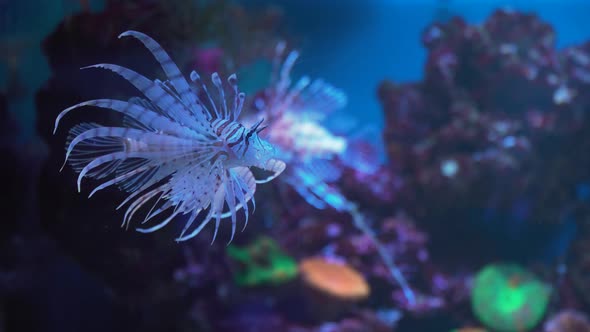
point(249, 134)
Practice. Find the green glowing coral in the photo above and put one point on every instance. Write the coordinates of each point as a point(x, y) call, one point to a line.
point(508, 298)
point(262, 262)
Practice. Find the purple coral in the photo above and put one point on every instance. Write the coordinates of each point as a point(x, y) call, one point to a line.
point(567, 321)
point(495, 134)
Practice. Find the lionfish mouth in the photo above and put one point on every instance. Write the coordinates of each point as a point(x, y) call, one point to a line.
point(256, 128)
point(275, 167)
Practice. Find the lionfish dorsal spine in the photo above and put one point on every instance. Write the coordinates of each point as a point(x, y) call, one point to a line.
point(161, 98)
point(196, 78)
point(217, 82)
point(172, 72)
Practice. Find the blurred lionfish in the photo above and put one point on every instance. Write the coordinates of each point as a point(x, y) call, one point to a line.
point(190, 156)
point(294, 114)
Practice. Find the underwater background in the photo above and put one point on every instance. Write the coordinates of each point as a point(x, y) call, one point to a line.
point(455, 196)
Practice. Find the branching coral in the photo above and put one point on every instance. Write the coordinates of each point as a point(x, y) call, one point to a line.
point(567, 321)
point(496, 134)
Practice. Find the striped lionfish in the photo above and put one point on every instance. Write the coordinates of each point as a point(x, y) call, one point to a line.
point(294, 113)
point(186, 152)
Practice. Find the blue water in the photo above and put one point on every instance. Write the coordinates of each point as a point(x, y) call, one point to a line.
point(356, 44)
point(353, 44)
point(23, 26)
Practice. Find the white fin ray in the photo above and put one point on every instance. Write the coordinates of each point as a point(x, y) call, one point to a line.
point(212, 196)
point(276, 167)
point(147, 117)
point(119, 179)
point(139, 202)
point(139, 180)
point(316, 97)
point(323, 169)
point(244, 186)
point(174, 75)
point(309, 196)
point(319, 99)
point(137, 140)
point(230, 199)
point(88, 150)
point(316, 192)
point(160, 97)
point(116, 158)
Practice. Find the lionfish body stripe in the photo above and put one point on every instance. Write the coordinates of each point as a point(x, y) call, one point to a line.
point(176, 154)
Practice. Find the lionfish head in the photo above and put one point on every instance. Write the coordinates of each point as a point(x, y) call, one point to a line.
point(255, 150)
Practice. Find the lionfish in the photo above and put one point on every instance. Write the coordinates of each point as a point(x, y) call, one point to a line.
point(294, 114)
point(180, 146)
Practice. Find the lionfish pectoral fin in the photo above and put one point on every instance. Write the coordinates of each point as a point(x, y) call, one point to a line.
point(275, 166)
point(321, 99)
point(217, 223)
point(215, 207)
point(247, 184)
point(159, 225)
point(244, 187)
point(165, 206)
point(361, 153)
point(308, 196)
point(230, 199)
point(194, 233)
point(324, 169)
point(138, 203)
point(318, 193)
point(87, 152)
point(205, 222)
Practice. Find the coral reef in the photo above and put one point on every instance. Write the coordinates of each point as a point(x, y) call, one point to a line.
point(332, 287)
point(489, 149)
point(261, 262)
point(567, 321)
point(509, 298)
point(578, 261)
point(334, 235)
point(336, 279)
point(491, 143)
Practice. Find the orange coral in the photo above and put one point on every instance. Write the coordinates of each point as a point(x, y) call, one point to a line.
point(470, 329)
point(339, 280)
